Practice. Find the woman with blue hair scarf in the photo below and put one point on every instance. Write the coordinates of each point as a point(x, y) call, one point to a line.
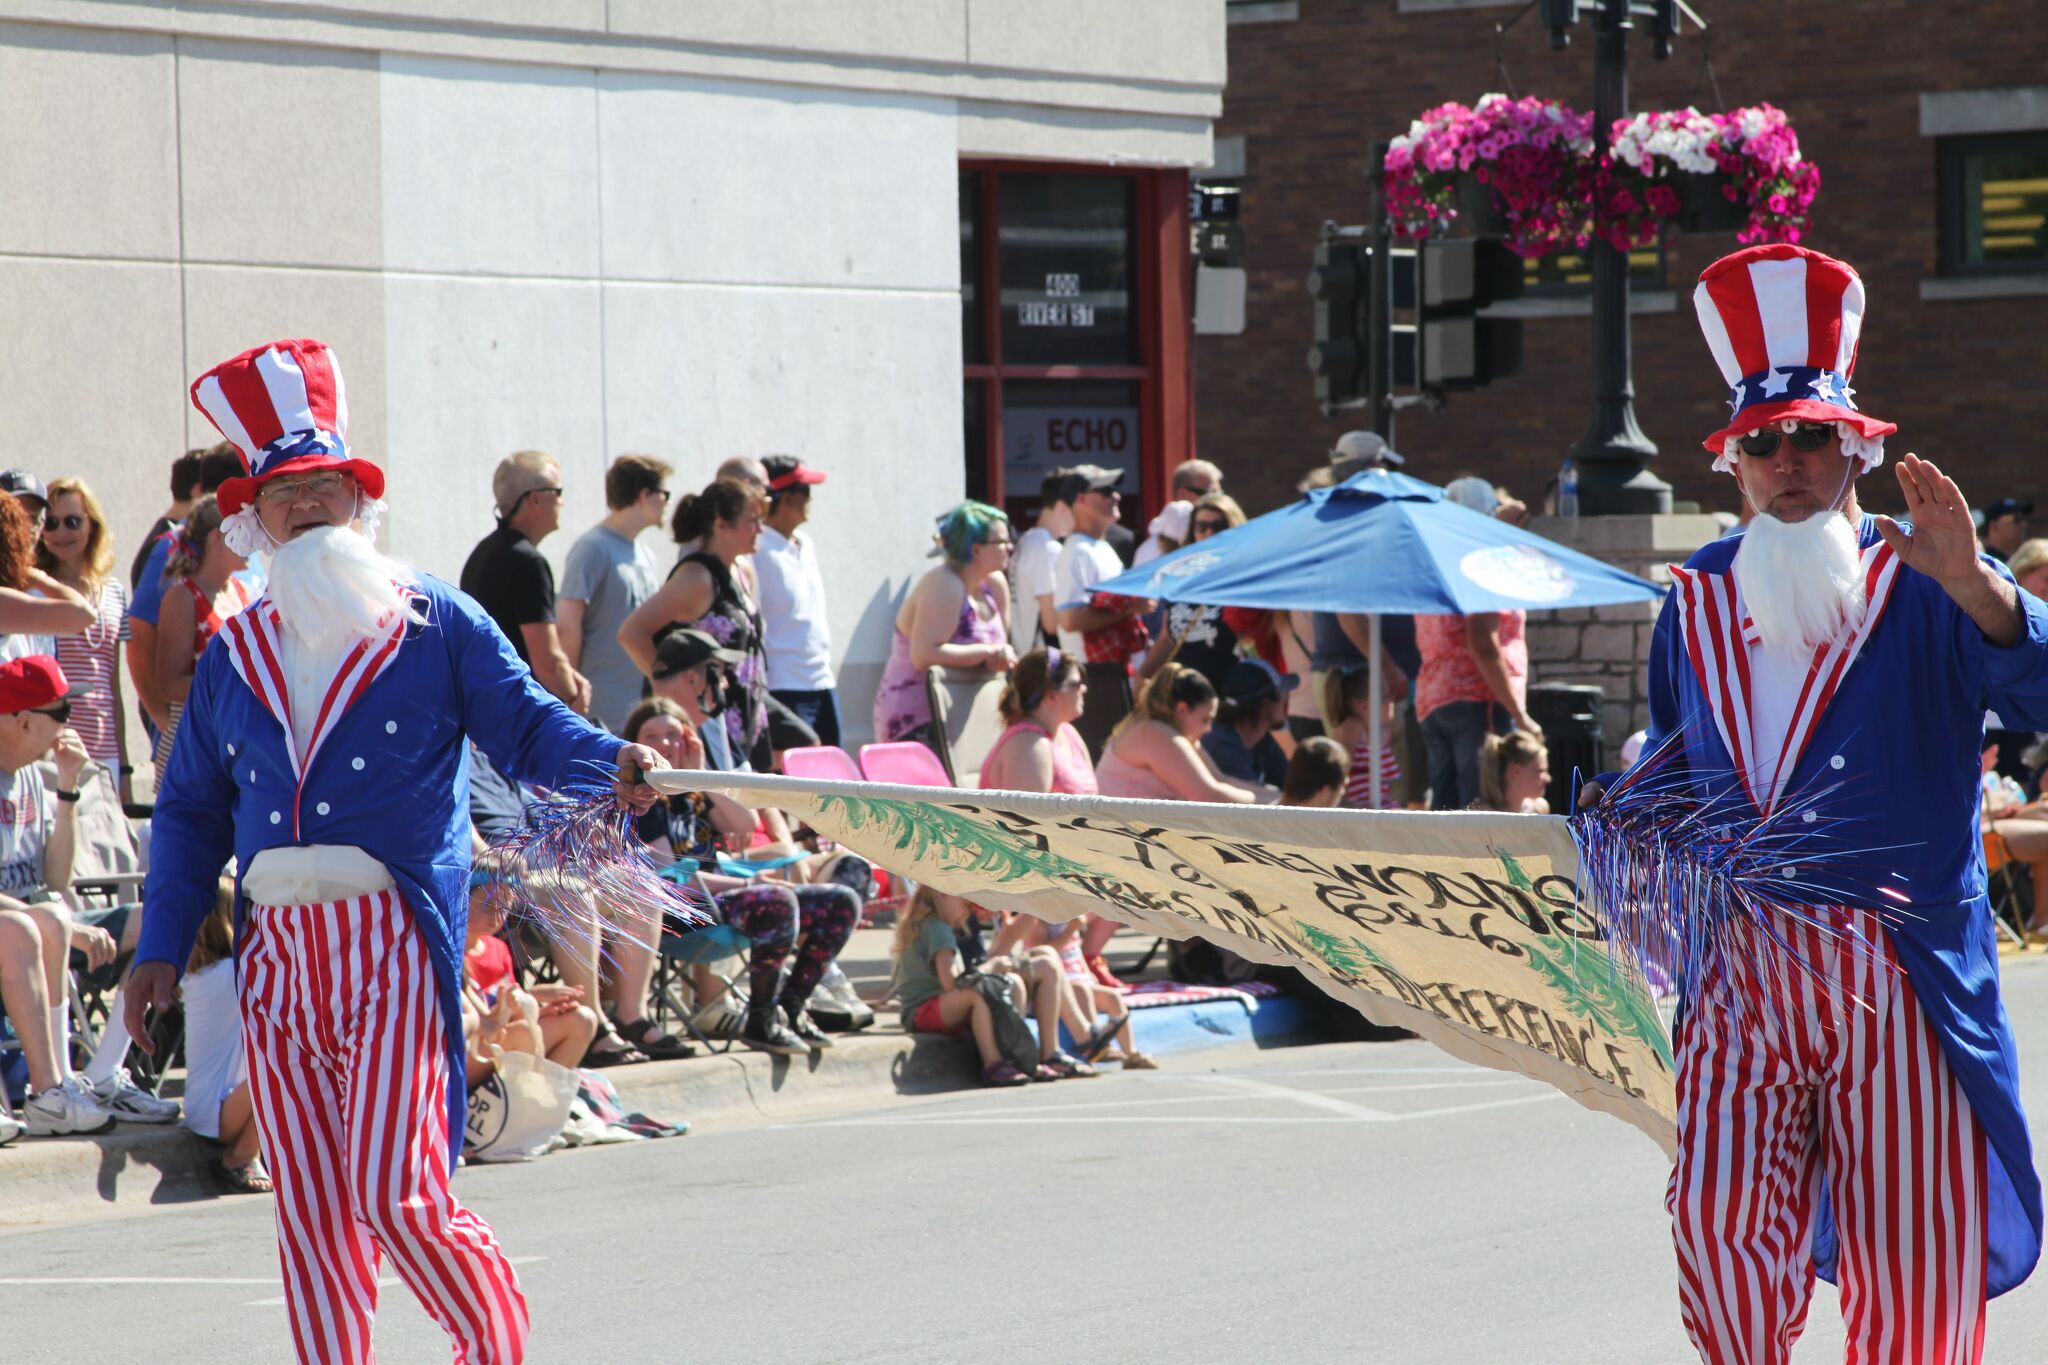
point(954, 617)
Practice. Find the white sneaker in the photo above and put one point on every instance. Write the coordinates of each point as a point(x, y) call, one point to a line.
point(124, 1099)
point(723, 1017)
point(11, 1128)
point(64, 1109)
point(838, 1005)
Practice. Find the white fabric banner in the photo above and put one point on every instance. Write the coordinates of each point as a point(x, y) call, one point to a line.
point(1464, 928)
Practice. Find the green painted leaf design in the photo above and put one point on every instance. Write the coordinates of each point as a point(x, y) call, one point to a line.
point(1346, 955)
point(926, 830)
point(1599, 991)
point(1512, 870)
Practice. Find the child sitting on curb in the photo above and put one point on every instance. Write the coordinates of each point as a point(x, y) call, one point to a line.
point(936, 998)
point(552, 1021)
point(217, 1102)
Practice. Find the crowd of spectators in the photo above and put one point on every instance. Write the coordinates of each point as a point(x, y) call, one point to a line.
point(723, 660)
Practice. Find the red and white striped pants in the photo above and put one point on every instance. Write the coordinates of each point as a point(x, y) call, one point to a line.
point(1784, 1087)
point(349, 1076)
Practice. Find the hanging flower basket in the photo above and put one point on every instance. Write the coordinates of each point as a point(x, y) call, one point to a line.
point(1500, 165)
point(1760, 153)
point(1477, 207)
point(1523, 170)
point(1705, 203)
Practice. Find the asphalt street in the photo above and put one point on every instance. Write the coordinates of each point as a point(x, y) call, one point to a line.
point(1359, 1202)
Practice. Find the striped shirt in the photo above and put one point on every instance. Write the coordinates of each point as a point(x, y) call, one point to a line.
point(1358, 786)
point(91, 663)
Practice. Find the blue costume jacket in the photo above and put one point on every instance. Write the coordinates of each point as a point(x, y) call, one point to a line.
point(1895, 727)
point(388, 772)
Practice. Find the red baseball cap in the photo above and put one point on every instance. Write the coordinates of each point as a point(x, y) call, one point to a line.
point(30, 683)
point(786, 471)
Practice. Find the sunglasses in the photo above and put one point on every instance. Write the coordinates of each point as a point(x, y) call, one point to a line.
point(70, 521)
point(60, 713)
point(1805, 436)
point(1209, 527)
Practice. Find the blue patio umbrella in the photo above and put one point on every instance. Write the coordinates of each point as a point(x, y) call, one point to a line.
point(1381, 542)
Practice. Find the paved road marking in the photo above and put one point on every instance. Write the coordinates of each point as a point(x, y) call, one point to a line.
point(1313, 1099)
point(383, 1282)
point(133, 1279)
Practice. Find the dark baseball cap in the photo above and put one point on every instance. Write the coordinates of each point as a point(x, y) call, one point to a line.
point(23, 484)
point(1090, 478)
point(1255, 680)
point(1996, 508)
point(685, 649)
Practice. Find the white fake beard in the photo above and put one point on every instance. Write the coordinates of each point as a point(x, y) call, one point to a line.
point(1800, 581)
point(331, 586)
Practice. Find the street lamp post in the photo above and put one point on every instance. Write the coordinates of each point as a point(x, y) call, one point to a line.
point(1614, 455)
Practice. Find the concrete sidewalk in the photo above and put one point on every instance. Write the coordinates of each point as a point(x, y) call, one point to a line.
point(45, 1180)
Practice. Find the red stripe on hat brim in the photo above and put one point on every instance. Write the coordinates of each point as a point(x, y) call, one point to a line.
point(1801, 410)
point(236, 494)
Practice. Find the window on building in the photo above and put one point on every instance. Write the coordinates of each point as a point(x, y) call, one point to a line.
point(1058, 362)
point(1994, 203)
point(1564, 273)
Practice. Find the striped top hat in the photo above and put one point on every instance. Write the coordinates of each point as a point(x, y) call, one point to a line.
point(284, 408)
point(1783, 323)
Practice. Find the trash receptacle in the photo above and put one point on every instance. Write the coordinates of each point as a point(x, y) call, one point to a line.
point(1570, 716)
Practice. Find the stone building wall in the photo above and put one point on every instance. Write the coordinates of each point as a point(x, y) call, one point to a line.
point(1609, 647)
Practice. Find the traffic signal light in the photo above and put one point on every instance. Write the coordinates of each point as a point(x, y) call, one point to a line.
point(1339, 283)
point(1461, 276)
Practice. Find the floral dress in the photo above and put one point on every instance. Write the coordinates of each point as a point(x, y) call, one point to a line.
point(735, 623)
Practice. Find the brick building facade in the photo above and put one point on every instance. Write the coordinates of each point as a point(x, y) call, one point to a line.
point(1959, 360)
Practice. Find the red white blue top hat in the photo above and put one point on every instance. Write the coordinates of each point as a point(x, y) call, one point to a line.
point(1783, 323)
point(285, 409)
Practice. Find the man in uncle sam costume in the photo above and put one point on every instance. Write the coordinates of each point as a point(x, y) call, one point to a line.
point(1847, 1097)
point(323, 746)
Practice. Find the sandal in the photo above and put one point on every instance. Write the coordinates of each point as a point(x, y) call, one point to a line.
point(658, 1046)
point(1003, 1074)
point(611, 1050)
point(1065, 1066)
point(1091, 1048)
point(1140, 1061)
point(249, 1179)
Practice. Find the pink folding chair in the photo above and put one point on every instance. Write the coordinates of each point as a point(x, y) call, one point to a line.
point(906, 763)
point(826, 762)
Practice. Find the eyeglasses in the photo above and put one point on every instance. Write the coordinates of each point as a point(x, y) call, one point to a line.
point(1206, 527)
point(1805, 436)
point(285, 492)
point(665, 494)
point(70, 521)
point(60, 713)
point(517, 502)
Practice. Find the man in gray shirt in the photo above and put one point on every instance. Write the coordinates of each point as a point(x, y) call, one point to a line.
point(610, 572)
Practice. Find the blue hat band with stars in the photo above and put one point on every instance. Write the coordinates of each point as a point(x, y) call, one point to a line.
point(1785, 383)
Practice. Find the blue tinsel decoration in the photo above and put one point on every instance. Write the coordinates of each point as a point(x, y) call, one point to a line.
point(577, 851)
point(1678, 875)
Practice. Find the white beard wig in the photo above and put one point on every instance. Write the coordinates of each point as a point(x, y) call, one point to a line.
point(330, 586)
point(1800, 581)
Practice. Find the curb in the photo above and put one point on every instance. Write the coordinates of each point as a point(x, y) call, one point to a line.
point(50, 1180)
point(53, 1180)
